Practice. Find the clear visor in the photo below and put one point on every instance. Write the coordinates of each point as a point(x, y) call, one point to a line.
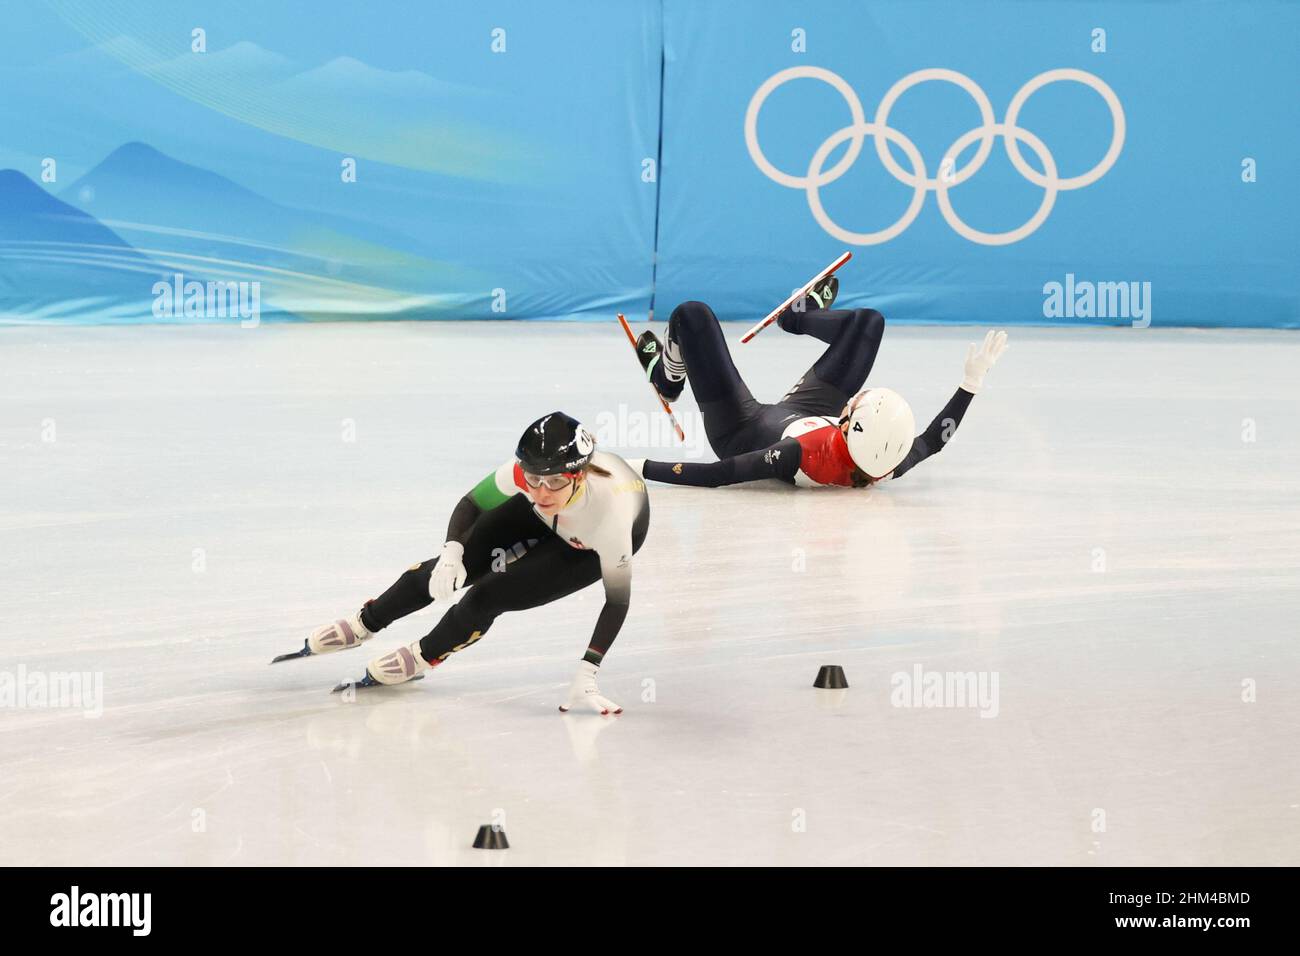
point(549, 482)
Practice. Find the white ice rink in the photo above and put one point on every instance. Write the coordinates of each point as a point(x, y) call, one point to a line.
point(1103, 535)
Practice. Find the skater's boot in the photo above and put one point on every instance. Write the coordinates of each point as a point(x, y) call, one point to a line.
point(820, 296)
point(342, 635)
point(663, 364)
point(399, 666)
point(395, 667)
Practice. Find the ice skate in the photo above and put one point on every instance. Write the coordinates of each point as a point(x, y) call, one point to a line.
point(820, 296)
point(652, 353)
point(396, 667)
point(341, 635)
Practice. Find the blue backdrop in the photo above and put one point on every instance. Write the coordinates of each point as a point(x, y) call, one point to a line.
point(1203, 88)
point(523, 160)
point(498, 154)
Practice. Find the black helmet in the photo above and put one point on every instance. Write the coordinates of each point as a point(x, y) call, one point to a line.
point(555, 444)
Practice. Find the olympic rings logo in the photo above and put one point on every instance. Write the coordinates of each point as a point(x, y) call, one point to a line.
point(949, 174)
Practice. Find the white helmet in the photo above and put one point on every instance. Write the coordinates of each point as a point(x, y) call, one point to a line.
point(881, 431)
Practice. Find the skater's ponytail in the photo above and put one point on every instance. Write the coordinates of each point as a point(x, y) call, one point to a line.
point(590, 468)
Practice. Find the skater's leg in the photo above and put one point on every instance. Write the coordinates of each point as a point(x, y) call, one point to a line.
point(712, 373)
point(725, 401)
point(549, 571)
point(822, 324)
point(848, 360)
point(408, 594)
point(843, 367)
point(506, 531)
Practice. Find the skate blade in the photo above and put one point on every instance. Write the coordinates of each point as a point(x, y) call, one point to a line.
point(304, 651)
point(368, 681)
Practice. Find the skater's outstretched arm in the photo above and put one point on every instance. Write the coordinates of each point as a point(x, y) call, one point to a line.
point(933, 439)
point(615, 555)
point(777, 461)
point(616, 575)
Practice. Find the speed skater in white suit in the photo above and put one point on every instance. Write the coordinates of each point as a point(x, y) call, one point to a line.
point(556, 518)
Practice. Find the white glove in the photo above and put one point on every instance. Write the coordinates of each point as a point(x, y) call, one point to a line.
point(449, 573)
point(978, 362)
point(584, 691)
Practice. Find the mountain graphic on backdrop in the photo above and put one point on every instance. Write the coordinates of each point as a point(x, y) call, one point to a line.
point(58, 262)
point(137, 183)
point(194, 219)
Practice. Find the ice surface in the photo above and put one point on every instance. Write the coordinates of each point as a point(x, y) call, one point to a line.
point(1102, 535)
